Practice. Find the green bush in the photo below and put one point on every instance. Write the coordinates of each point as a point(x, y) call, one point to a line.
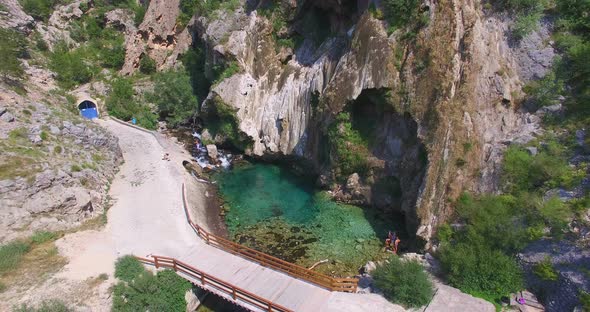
point(222, 120)
point(222, 72)
point(584, 300)
point(140, 13)
point(39, 9)
point(444, 233)
point(527, 14)
point(477, 259)
point(477, 269)
point(174, 97)
point(525, 24)
point(12, 47)
point(57, 149)
point(524, 172)
point(404, 282)
point(45, 306)
point(147, 292)
point(403, 13)
point(128, 268)
point(11, 255)
point(189, 8)
point(349, 146)
point(75, 168)
point(41, 237)
point(545, 271)
point(121, 103)
point(147, 65)
point(546, 91)
point(72, 67)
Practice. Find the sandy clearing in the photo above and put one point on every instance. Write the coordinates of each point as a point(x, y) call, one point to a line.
point(146, 217)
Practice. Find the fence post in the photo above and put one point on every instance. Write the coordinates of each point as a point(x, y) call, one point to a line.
point(233, 292)
point(203, 278)
point(174, 264)
point(156, 261)
point(269, 307)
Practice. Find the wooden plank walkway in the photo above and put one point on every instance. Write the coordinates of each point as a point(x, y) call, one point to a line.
point(277, 287)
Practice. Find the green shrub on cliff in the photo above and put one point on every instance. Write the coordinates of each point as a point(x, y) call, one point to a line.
point(12, 47)
point(348, 146)
point(545, 271)
point(39, 9)
point(73, 67)
point(147, 65)
point(404, 282)
point(404, 14)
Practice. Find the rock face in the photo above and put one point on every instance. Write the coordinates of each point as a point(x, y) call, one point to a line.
point(157, 37)
point(57, 28)
point(570, 263)
point(56, 167)
point(456, 113)
point(451, 94)
point(14, 17)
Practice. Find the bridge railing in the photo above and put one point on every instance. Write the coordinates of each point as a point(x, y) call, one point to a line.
point(205, 279)
point(328, 282)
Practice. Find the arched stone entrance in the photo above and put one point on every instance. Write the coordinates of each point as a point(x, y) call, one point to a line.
point(88, 109)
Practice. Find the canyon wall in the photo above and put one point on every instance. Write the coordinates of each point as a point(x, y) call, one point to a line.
point(451, 96)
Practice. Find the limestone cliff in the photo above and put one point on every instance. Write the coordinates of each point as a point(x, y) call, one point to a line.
point(451, 94)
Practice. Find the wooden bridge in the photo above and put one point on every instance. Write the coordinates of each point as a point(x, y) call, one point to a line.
point(249, 278)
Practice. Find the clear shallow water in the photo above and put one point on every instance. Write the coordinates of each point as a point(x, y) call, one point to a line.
point(274, 211)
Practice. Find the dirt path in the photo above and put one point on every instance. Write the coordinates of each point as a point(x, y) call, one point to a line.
point(146, 217)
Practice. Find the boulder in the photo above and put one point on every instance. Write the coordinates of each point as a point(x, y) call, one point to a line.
point(54, 130)
point(192, 301)
point(212, 151)
point(7, 117)
point(353, 182)
point(369, 267)
point(206, 136)
point(532, 150)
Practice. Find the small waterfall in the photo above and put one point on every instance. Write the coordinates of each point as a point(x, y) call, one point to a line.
point(199, 152)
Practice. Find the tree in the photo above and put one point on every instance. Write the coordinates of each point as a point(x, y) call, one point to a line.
point(174, 97)
point(147, 65)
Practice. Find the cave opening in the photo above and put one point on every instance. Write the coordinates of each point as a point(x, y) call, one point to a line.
point(397, 156)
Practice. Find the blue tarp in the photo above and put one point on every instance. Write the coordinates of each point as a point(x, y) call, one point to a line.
point(89, 113)
point(88, 110)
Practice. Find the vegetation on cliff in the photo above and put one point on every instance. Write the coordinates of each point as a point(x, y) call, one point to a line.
point(13, 47)
point(479, 257)
point(173, 96)
point(350, 148)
